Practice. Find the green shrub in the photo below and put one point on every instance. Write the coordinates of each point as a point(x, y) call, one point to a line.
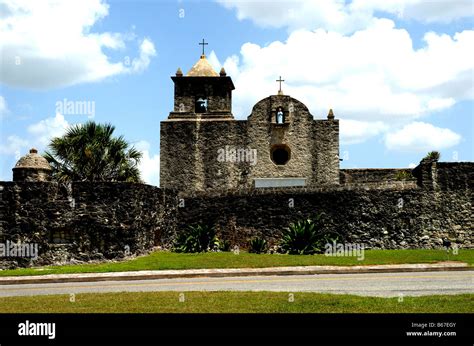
point(300, 238)
point(224, 245)
point(198, 238)
point(304, 238)
point(432, 156)
point(403, 175)
point(258, 245)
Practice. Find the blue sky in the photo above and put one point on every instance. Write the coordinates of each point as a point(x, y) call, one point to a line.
point(398, 74)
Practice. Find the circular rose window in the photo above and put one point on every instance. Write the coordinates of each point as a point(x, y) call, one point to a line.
point(280, 154)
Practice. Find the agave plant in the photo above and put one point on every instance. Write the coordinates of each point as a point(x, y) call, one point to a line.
point(300, 238)
point(197, 238)
point(224, 245)
point(258, 245)
point(304, 238)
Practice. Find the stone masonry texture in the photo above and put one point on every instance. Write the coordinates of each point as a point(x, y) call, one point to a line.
point(190, 147)
point(83, 221)
point(400, 215)
point(95, 221)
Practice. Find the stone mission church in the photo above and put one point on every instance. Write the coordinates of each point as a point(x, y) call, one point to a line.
point(203, 148)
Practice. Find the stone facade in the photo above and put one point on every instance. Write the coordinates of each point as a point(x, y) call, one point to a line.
point(211, 151)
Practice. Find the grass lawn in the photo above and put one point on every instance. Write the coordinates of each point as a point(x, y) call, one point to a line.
point(234, 302)
point(169, 260)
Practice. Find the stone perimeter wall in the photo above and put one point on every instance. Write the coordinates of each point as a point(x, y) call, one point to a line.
point(372, 175)
point(379, 214)
point(83, 221)
point(95, 221)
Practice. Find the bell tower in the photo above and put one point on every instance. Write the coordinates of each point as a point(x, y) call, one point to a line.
point(202, 93)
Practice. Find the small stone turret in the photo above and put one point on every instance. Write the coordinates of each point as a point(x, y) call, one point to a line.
point(32, 167)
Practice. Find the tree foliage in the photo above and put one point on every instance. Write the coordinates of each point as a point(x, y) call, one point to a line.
point(89, 152)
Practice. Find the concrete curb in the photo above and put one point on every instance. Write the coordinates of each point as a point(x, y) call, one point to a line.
point(193, 273)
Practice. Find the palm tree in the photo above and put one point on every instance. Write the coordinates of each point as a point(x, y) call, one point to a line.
point(88, 152)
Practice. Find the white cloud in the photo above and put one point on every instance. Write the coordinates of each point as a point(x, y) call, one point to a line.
point(214, 61)
point(421, 137)
point(363, 67)
point(412, 165)
point(147, 50)
point(344, 16)
point(437, 104)
point(13, 145)
point(39, 136)
point(442, 11)
point(48, 44)
point(353, 131)
point(310, 14)
point(372, 76)
point(149, 165)
point(46, 129)
point(3, 106)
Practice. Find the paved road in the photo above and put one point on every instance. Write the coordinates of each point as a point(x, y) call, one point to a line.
point(376, 284)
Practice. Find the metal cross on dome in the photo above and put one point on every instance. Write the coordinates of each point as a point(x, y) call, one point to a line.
point(203, 43)
point(280, 80)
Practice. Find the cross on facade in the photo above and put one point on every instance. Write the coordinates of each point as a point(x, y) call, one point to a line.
point(203, 43)
point(280, 80)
